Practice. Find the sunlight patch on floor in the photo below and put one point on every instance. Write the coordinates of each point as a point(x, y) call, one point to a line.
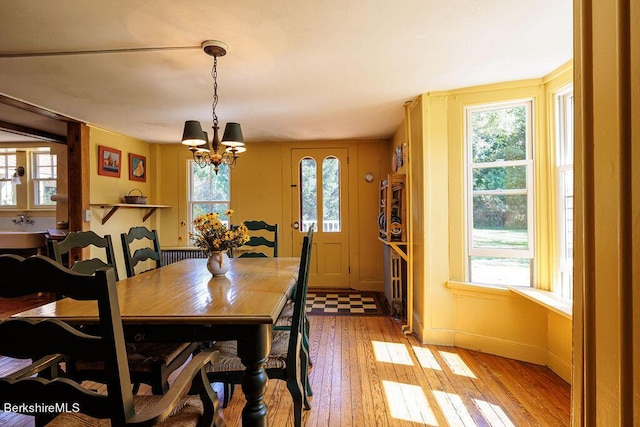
point(426, 358)
point(408, 402)
point(456, 364)
point(493, 413)
point(453, 409)
point(391, 353)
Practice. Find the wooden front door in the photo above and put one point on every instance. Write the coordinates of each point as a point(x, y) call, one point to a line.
point(319, 178)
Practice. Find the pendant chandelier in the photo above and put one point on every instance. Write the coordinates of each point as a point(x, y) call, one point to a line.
point(205, 152)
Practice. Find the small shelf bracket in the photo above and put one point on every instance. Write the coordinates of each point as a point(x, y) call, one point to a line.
point(150, 209)
point(399, 247)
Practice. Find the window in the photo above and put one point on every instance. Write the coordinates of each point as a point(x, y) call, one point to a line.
point(8, 166)
point(330, 194)
point(564, 179)
point(44, 177)
point(499, 194)
point(208, 192)
point(309, 194)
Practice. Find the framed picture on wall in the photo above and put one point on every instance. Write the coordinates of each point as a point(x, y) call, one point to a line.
point(109, 161)
point(137, 167)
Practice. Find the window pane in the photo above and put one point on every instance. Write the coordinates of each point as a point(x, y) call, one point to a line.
point(220, 188)
point(567, 213)
point(499, 134)
point(501, 271)
point(331, 195)
point(7, 194)
point(203, 208)
point(44, 191)
point(206, 185)
point(500, 222)
point(7, 166)
point(200, 184)
point(500, 178)
point(308, 194)
point(45, 166)
point(7, 189)
point(209, 192)
point(564, 132)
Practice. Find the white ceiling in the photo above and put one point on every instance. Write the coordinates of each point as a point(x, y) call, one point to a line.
point(295, 70)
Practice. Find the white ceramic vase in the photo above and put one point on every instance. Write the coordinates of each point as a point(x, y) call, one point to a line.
point(218, 263)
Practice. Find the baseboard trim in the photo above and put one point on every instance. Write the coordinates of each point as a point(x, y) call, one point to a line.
point(510, 349)
point(559, 366)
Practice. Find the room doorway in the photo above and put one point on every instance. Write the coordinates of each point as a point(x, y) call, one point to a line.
point(319, 178)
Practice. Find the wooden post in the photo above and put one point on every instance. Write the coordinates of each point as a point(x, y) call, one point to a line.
point(78, 174)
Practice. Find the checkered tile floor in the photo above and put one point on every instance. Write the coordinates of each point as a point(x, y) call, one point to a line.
point(342, 303)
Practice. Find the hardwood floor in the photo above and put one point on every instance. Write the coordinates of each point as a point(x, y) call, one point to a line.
point(367, 373)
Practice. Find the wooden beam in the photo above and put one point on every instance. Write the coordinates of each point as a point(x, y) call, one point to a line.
point(16, 103)
point(27, 131)
point(78, 171)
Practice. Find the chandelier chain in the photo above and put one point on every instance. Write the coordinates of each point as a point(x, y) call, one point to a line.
point(214, 74)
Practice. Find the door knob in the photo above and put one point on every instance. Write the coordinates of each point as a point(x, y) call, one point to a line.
point(296, 225)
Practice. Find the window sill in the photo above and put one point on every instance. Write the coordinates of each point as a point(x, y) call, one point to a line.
point(31, 209)
point(546, 299)
point(467, 288)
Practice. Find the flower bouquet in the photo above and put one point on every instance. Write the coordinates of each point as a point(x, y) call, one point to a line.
point(215, 238)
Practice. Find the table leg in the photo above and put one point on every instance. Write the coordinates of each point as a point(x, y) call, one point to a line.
point(253, 348)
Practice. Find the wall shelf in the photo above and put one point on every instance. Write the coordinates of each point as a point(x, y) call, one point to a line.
point(114, 207)
point(399, 247)
point(392, 215)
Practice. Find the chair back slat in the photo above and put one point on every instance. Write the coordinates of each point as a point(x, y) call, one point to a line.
point(133, 256)
point(257, 241)
point(54, 336)
point(82, 239)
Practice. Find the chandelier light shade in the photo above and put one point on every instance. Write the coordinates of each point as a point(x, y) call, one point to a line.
point(192, 134)
point(233, 135)
point(196, 138)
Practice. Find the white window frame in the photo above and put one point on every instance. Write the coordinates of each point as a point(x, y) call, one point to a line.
point(529, 191)
point(564, 120)
point(9, 174)
point(191, 202)
point(36, 179)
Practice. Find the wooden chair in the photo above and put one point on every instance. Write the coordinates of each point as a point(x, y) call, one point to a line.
point(260, 240)
point(82, 239)
point(285, 318)
point(149, 363)
point(287, 361)
point(51, 339)
point(151, 250)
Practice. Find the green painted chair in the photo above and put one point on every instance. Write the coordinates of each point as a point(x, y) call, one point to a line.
point(259, 243)
point(189, 402)
point(149, 363)
point(81, 239)
point(149, 251)
point(288, 360)
point(156, 361)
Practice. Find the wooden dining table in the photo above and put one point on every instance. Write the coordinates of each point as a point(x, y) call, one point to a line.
point(183, 302)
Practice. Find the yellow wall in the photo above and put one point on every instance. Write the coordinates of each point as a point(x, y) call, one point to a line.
point(446, 309)
point(261, 189)
point(110, 190)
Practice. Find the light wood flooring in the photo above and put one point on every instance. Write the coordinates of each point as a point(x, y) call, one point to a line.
point(367, 373)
